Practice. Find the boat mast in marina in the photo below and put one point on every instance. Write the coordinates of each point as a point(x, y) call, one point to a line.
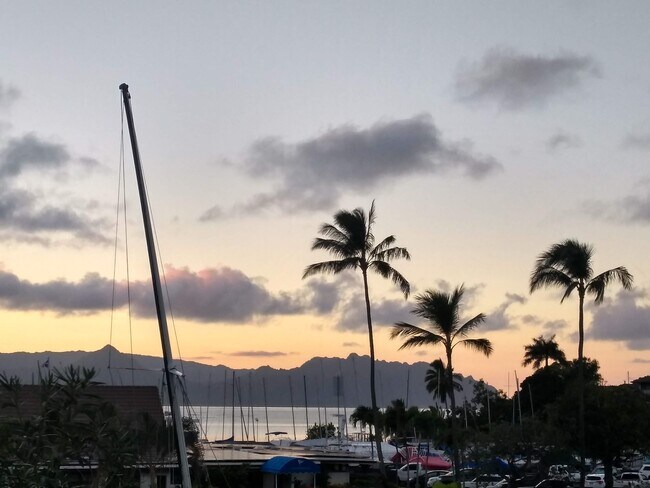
point(171, 374)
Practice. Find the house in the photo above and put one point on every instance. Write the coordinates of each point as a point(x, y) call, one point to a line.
point(643, 384)
point(111, 411)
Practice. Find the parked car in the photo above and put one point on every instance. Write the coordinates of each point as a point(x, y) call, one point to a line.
point(409, 472)
point(423, 478)
point(484, 481)
point(595, 480)
point(435, 475)
point(645, 471)
point(631, 479)
point(553, 483)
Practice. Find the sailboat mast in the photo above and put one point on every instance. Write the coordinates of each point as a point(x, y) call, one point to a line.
point(181, 448)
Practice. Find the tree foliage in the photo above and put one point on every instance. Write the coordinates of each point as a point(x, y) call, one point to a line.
point(543, 350)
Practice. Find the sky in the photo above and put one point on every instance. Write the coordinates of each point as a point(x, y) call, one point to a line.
point(485, 132)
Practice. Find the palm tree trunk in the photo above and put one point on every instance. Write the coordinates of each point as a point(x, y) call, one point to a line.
point(373, 393)
point(581, 386)
point(452, 398)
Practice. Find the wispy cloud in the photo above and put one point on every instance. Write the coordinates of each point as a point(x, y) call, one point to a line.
point(641, 360)
point(637, 141)
point(625, 319)
point(351, 344)
point(516, 81)
point(8, 94)
point(313, 174)
point(260, 354)
point(562, 140)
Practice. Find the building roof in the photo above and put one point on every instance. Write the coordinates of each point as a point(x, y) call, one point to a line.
point(129, 401)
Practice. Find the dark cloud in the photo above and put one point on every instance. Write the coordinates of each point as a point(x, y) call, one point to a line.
point(259, 354)
point(637, 141)
point(24, 218)
point(623, 319)
point(8, 94)
point(31, 152)
point(313, 174)
point(91, 294)
point(30, 216)
point(515, 81)
point(210, 295)
point(498, 319)
point(223, 295)
point(562, 140)
point(324, 295)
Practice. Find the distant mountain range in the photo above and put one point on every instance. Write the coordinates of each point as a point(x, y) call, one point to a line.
point(204, 384)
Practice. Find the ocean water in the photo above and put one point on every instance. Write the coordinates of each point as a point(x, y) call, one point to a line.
point(252, 423)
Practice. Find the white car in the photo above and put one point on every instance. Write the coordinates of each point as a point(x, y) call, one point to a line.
point(595, 480)
point(631, 479)
point(484, 481)
point(645, 471)
point(435, 476)
point(409, 471)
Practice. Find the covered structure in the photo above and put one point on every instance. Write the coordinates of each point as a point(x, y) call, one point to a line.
point(286, 470)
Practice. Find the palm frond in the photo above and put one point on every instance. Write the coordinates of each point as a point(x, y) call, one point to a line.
point(330, 267)
point(385, 244)
point(570, 256)
point(470, 325)
point(385, 270)
point(547, 277)
point(333, 246)
point(390, 254)
point(333, 232)
point(598, 284)
point(415, 336)
point(569, 289)
point(483, 345)
point(435, 307)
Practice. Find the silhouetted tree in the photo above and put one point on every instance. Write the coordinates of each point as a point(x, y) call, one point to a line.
point(436, 381)
point(568, 266)
point(351, 241)
point(541, 350)
point(442, 312)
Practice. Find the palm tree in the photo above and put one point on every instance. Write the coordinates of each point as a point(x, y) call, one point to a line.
point(351, 241)
point(568, 266)
point(436, 381)
point(442, 311)
point(543, 350)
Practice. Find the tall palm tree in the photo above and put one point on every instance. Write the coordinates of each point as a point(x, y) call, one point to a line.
point(351, 241)
point(568, 266)
point(437, 382)
point(543, 350)
point(442, 311)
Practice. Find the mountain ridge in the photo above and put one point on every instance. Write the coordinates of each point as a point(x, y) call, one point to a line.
point(207, 384)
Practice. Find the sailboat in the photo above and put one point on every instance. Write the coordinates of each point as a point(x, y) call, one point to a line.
point(171, 374)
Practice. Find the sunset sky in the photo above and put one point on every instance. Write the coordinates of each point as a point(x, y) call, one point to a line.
point(484, 131)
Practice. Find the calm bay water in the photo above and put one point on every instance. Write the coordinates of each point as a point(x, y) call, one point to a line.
point(251, 423)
